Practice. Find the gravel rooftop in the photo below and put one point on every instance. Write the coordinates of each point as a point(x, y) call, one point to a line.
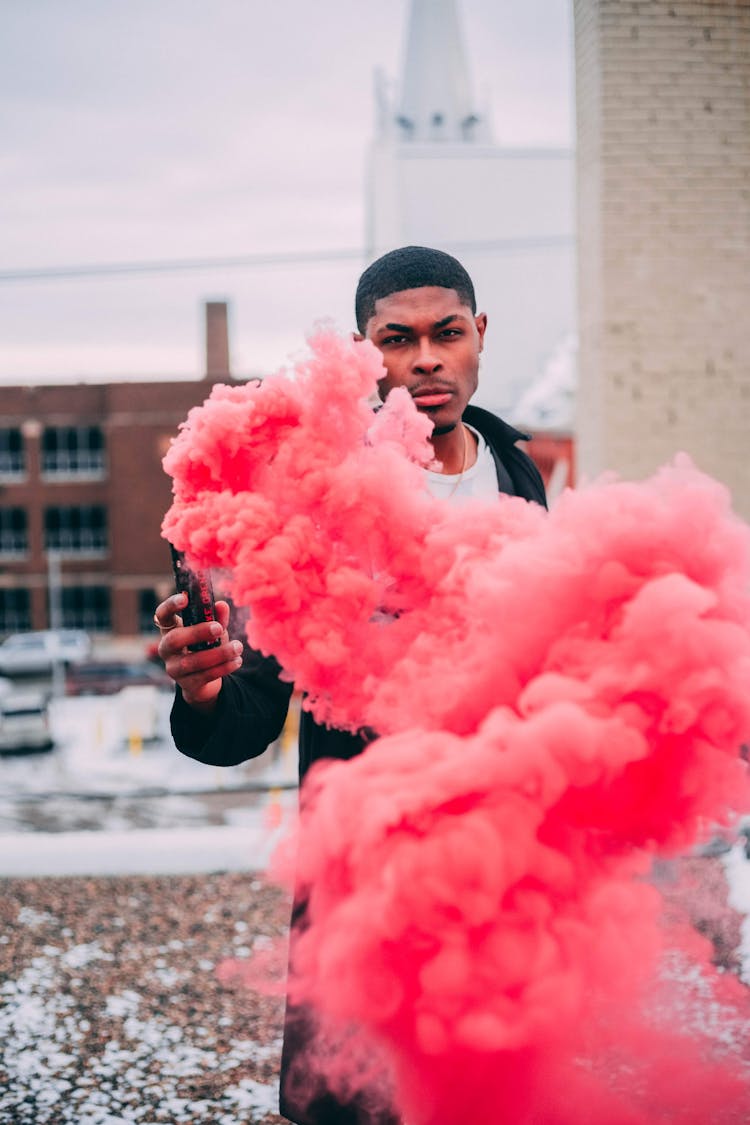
point(112, 1009)
point(119, 1006)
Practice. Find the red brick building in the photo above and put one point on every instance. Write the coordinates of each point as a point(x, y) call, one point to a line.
point(554, 454)
point(81, 481)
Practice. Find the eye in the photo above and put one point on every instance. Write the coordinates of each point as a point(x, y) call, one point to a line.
point(451, 332)
point(392, 340)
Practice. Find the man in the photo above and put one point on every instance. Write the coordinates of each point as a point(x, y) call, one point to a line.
point(417, 306)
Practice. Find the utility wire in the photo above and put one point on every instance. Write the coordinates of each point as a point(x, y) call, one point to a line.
point(261, 261)
point(179, 265)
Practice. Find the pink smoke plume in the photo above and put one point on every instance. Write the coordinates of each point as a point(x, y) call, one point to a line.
point(559, 697)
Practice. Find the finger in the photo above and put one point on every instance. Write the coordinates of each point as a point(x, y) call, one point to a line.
point(207, 633)
point(176, 639)
point(193, 669)
point(167, 613)
point(222, 613)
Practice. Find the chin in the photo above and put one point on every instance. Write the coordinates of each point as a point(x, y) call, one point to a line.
point(443, 426)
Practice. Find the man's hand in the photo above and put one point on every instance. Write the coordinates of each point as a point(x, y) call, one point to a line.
point(199, 674)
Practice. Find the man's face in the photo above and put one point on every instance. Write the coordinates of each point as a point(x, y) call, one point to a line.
point(430, 343)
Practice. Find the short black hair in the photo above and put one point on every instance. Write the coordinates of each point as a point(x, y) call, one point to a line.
point(410, 267)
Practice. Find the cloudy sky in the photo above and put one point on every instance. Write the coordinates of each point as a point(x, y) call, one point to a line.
point(161, 130)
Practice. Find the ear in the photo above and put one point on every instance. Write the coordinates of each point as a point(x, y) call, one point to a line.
point(481, 323)
point(357, 337)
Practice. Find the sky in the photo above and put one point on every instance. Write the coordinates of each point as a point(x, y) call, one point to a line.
point(162, 130)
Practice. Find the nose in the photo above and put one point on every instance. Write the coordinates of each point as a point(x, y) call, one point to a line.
point(426, 362)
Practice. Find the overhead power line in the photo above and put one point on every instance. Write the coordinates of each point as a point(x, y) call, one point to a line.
point(179, 265)
point(261, 261)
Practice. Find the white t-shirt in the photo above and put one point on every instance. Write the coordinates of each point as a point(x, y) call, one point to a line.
point(479, 480)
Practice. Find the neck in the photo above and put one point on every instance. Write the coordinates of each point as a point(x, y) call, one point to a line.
point(451, 448)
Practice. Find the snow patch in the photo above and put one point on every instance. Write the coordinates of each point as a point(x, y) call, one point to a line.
point(737, 868)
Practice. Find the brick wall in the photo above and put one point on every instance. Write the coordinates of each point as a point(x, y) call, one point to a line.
point(663, 119)
point(138, 421)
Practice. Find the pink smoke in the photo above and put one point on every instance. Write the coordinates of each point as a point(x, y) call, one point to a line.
point(560, 697)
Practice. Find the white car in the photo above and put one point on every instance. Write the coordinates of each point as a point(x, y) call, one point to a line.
point(24, 720)
point(35, 653)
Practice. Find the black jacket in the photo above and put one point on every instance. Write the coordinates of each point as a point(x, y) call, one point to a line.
point(253, 703)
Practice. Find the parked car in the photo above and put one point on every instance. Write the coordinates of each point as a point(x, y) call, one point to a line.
point(24, 720)
point(105, 677)
point(35, 653)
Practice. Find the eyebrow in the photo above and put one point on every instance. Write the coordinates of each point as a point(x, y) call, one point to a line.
point(407, 328)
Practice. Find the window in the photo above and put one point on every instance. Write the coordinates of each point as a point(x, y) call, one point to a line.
point(86, 607)
point(15, 611)
point(148, 600)
point(12, 459)
point(73, 451)
point(14, 541)
point(76, 530)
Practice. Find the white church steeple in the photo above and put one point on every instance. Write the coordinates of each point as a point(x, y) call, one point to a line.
point(436, 178)
point(435, 101)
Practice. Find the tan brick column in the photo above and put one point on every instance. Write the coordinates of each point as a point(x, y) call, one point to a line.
point(663, 121)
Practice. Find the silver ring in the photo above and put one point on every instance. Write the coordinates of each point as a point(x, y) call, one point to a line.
point(163, 628)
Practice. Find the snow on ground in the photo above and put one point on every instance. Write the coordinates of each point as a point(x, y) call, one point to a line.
point(108, 801)
point(112, 1011)
point(737, 868)
point(168, 851)
point(100, 748)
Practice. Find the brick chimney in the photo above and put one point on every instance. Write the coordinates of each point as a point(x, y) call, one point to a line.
point(217, 340)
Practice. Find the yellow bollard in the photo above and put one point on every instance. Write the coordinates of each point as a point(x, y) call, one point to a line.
point(99, 730)
point(274, 811)
point(135, 742)
point(290, 733)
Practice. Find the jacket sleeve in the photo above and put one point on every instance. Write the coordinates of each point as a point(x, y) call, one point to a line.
point(249, 715)
point(527, 478)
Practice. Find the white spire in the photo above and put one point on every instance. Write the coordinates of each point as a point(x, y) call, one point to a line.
point(436, 101)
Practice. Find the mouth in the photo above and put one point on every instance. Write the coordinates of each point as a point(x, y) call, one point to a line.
point(427, 398)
